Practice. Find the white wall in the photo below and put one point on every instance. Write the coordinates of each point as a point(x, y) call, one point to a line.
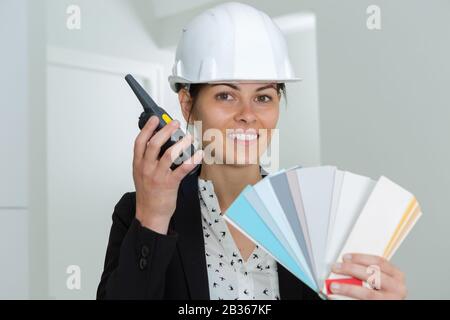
point(37, 149)
point(113, 28)
point(89, 156)
point(385, 110)
point(14, 153)
point(299, 119)
point(90, 153)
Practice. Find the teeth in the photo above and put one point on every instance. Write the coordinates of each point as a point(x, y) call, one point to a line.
point(242, 136)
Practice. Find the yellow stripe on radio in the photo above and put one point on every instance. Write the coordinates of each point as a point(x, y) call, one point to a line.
point(166, 118)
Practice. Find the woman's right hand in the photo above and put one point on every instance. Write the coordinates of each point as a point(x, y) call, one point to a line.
point(156, 184)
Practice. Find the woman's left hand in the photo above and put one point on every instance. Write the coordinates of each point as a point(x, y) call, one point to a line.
point(391, 280)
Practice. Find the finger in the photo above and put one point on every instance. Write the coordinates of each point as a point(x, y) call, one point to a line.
point(142, 138)
point(356, 292)
point(188, 165)
point(159, 139)
point(364, 273)
point(174, 152)
point(373, 260)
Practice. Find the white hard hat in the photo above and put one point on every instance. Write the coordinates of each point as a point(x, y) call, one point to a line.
point(232, 42)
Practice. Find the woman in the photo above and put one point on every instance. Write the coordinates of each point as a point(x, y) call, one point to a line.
point(169, 239)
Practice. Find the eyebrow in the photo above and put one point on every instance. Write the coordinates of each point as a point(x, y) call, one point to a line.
point(237, 88)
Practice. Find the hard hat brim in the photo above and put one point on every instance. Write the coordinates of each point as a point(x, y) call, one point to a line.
point(173, 80)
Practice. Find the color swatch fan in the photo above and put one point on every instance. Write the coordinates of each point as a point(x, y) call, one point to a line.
point(307, 218)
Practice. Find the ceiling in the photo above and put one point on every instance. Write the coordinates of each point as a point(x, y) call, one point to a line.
point(162, 9)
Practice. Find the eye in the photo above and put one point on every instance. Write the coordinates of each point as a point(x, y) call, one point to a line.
point(264, 98)
point(223, 96)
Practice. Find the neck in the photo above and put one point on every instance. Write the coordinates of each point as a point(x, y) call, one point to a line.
point(229, 180)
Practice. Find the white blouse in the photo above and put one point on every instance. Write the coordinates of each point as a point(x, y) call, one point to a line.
point(229, 277)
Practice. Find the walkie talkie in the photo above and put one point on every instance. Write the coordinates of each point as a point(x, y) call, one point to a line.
point(152, 109)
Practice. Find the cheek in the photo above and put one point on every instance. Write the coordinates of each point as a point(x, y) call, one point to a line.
point(216, 117)
point(214, 121)
point(269, 119)
point(269, 122)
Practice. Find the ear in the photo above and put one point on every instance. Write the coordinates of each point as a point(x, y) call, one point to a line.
point(185, 103)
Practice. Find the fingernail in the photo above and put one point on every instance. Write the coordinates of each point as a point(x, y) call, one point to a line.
point(347, 257)
point(335, 287)
point(337, 266)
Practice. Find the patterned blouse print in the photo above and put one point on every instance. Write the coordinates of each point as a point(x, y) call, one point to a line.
point(231, 278)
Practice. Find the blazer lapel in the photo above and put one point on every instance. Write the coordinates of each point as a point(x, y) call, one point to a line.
point(188, 224)
point(290, 287)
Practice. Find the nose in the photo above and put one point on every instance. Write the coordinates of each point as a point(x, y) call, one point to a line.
point(246, 114)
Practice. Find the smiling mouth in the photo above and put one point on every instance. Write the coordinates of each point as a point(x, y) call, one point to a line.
point(242, 136)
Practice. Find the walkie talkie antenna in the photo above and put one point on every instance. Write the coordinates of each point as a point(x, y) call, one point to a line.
point(146, 101)
point(152, 109)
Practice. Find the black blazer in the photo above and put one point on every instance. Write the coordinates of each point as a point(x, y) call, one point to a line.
point(143, 264)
